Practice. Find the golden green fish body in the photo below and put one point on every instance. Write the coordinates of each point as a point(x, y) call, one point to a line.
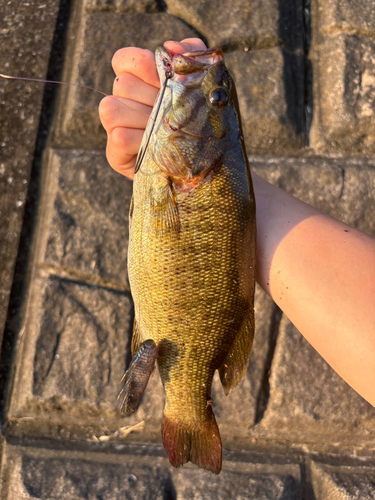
point(191, 267)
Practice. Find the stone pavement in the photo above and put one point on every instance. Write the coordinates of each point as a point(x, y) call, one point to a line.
point(292, 429)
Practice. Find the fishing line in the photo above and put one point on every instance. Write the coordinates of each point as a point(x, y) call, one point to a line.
point(8, 77)
point(168, 75)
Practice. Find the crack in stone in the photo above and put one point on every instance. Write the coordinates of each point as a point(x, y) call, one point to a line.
point(342, 171)
point(264, 393)
point(307, 488)
point(48, 270)
point(308, 71)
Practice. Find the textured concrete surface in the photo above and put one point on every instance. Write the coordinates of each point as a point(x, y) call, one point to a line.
point(79, 107)
point(25, 44)
point(343, 76)
point(45, 474)
point(270, 90)
point(292, 429)
point(343, 483)
point(258, 24)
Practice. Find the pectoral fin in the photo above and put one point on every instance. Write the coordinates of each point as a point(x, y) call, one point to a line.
point(165, 208)
point(236, 361)
point(136, 378)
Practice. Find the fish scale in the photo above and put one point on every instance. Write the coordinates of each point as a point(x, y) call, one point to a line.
point(191, 257)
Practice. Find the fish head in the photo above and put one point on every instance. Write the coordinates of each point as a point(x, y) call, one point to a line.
point(197, 116)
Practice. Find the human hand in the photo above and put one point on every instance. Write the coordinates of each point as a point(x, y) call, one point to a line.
point(136, 86)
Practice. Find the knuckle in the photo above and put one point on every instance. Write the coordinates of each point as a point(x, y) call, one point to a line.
point(123, 83)
point(120, 138)
point(106, 109)
point(118, 56)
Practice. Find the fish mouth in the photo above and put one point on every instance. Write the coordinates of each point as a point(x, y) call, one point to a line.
point(187, 68)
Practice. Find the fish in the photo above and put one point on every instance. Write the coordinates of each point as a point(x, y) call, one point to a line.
point(191, 257)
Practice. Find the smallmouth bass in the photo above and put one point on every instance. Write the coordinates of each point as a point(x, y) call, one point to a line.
point(191, 257)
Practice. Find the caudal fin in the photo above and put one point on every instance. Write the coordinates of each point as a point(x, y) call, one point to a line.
point(197, 443)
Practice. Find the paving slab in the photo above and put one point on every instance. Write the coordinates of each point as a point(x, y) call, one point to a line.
point(84, 218)
point(270, 90)
point(344, 93)
point(237, 413)
point(258, 24)
point(25, 43)
point(343, 483)
point(270, 82)
point(47, 474)
point(239, 481)
point(357, 18)
point(39, 474)
point(342, 188)
point(309, 403)
point(89, 63)
point(77, 345)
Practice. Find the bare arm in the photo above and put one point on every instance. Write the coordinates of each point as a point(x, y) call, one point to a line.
point(319, 271)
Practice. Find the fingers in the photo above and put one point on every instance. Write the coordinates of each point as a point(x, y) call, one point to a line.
point(122, 148)
point(187, 45)
point(124, 115)
point(126, 169)
point(126, 142)
point(119, 112)
point(131, 87)
point(138, 62)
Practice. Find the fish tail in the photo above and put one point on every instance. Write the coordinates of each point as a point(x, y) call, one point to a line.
point(199, 443)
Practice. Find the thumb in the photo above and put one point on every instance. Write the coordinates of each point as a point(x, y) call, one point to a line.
point(187, 45)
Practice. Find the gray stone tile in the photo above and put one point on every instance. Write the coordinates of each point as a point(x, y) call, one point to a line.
point(309, 403)
point(25, 43)
point(237, 412)
point(272, 114)
point(84, 218)
point(46, 475)
point(73, 354)
point(80, 123)
point(343, 483)
point(39, 474)
point(241, 24)
point(80, 324)
point(344, 15)
point(344, 94)
point(239, 481)
point(341, 188)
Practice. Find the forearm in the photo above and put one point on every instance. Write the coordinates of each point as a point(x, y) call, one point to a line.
point(322, 275)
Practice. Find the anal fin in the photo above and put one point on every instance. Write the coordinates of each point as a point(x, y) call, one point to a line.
point(136, 377)
point(237, 359)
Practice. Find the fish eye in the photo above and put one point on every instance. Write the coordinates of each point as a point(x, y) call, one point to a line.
point(219, 97)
